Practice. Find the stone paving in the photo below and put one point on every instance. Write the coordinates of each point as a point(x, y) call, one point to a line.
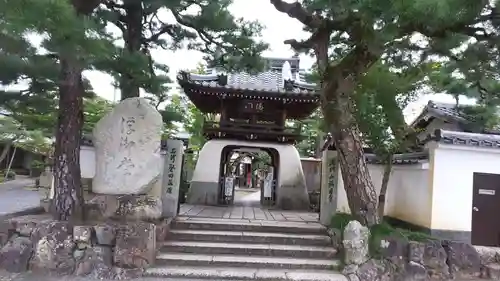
point(246, 212)
point(14, 197)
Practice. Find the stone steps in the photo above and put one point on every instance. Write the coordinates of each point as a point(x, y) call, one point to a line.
point(243, 274)
point(249, 225)
point(251, 237)
point(182, 259)
point(223, 248)
point(237, 250)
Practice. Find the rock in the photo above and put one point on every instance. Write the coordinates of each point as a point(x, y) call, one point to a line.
point(353, 277)
point(7, 229)
point(416, 251)
point(82, 234)
point(394, 249)
point(96, 262)
point(463, 259)
point(434, 260)
point(355, 243)
point(16, 254)
point(25, 228)
point(135, 245)
point(414, 271)
point(491, 271)
point(488, 254)
point(128, 273)
point(371, 270)
point(350, 269)
point(124, 207)
point(127, 144)
point(162, 230)
point(336, 237)
point(53, 248)
point(105, 234)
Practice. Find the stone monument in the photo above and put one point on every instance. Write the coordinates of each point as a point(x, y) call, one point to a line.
point(127, 181)
point(127, 145)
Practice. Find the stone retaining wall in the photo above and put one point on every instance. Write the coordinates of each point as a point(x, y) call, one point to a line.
point(107, 250)
point(402, 260)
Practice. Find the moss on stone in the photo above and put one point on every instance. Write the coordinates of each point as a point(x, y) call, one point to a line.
point(379, 232)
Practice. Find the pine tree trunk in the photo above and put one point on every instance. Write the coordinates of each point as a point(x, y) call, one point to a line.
point(133, 36)
point(68, 200)
point(68, 203)
point(383, 187)
point(338, 108)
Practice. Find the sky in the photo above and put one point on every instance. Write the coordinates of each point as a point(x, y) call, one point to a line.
point(278, 27)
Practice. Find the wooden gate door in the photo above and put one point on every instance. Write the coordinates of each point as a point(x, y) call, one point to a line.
point(485, 210)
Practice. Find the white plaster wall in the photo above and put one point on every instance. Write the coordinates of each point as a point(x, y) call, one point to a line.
point(407, 195)
point(454, 166)
point(87, 162)
point(208, 164)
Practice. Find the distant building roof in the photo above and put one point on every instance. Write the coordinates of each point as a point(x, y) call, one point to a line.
point(489, 139)
point(448, 112)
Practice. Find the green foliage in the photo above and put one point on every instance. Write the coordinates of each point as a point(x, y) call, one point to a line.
point(379, 232)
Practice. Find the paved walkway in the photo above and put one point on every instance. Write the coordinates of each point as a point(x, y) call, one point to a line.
point(14, 197)
point(243, 212)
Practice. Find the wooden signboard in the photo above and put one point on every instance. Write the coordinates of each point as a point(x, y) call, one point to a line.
point(252, 106)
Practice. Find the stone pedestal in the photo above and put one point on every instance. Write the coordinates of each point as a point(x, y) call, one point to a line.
point(171, 179)
point(329, 183)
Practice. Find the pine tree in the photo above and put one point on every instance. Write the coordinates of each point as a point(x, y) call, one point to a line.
point(143, 27)
point(349, 37)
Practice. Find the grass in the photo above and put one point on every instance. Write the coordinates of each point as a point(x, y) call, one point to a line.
point(379, 232)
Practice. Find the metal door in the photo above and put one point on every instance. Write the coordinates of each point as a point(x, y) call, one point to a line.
point(485, 229)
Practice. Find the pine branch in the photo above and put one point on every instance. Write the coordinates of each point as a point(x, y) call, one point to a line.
point(296, 11)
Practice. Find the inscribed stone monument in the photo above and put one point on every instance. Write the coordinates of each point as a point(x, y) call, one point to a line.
point(172, 177)
point(127, 148)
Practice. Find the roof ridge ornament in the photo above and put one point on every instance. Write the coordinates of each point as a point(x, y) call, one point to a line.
point(286, 71)
point(286, 75)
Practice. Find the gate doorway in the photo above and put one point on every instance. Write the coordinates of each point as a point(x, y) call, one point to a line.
point(485, 228)
point(248, 176)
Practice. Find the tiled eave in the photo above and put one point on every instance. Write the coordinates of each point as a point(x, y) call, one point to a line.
point(252, 94)
point(444, 111)
point(401, 158)
point(489, 140)
point(208, 85)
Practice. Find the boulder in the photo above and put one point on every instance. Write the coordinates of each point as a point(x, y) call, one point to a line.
point(127, 145)
point(434, 259)
point(135, 245)
point(105, 234)
point(96, 262)
point(394, 249)
point(53, 248)
point(355, 243)
point(372, 270)
point(16, 254)
point(463, 259)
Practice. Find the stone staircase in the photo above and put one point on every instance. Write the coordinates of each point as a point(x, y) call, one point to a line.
point(227, 249)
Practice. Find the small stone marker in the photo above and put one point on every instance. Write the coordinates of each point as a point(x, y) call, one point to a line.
point(356, 243)
point(127, 145)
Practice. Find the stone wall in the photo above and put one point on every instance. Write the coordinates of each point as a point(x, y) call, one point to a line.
point(106, 250)
point(398, 259)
